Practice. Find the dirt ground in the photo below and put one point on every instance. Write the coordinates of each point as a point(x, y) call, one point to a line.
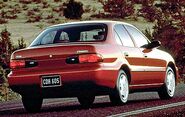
point(28, 31)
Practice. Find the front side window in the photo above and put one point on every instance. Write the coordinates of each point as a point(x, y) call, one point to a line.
point(124, 36)
point(138, 37)
point(72, 33)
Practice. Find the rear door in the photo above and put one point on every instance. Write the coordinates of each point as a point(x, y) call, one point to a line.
point(131, 53)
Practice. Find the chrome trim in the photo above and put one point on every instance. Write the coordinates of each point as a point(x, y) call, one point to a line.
point(140, 85)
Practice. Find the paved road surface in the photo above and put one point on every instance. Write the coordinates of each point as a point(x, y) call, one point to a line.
point(139, 104)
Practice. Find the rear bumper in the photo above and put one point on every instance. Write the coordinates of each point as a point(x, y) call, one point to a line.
point(67, 90)
point(73, 83)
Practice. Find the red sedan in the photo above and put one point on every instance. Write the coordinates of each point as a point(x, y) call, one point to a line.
point(87, 59)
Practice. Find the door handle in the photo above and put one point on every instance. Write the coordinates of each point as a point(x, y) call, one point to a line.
point(145, 55)
point(126, 54)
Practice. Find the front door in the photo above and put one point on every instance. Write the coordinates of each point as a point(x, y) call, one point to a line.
point(153, 66)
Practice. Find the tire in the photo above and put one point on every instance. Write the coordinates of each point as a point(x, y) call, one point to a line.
point(32, 105)
point(86, 101)
point(121, 92)
point(168, 89)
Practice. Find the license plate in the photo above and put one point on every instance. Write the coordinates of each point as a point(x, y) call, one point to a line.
point(51, 81)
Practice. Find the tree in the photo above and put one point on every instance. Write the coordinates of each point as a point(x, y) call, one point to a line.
point(73, 9)
point(170, 29)
point(5, 47)
point(117, 8)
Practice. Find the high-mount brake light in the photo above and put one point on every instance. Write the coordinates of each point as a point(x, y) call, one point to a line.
point(14, 64)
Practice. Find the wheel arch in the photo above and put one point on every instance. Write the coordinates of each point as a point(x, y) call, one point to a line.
point(172, 65)
point(126, 69)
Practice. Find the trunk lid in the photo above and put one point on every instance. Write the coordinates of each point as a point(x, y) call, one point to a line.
point(51, 57)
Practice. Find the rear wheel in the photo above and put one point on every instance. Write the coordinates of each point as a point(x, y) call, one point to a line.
point(86, 101)
point(168, 89)
point(32, 105)
point(121, 92)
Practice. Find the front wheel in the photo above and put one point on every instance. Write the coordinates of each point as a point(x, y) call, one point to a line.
point(168, 89)
point(121, 92)
point(86, 101)
point(32, 105)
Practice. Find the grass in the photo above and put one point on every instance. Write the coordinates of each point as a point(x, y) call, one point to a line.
point(19, 28)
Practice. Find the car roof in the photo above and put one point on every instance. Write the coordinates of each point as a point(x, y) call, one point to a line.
point(91, 22)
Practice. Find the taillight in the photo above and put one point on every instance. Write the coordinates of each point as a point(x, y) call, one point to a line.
point(84, 58)
point(14, 64)
point(90, 58)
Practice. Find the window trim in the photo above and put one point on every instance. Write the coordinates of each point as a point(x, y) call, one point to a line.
point(128, 35)
point(116, 33)
point(132, 36)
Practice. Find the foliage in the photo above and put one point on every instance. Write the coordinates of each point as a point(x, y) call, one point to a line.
point(3, 21)
point(116, 9)
point(149, 12)
point(3, 84)
point(57, 0)
point(6, 48)
point(2, 75)
point(73, 9)
point(21, 44)
point(148, 33)
point(29, 1)
point(170, 29)
point(5, 51)
point(25, 1)
point(169, 19)
point(5, 92)
point(32, 16)
point(45, 4)
point(143, 2)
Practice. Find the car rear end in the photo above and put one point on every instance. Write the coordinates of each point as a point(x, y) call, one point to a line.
point(64, 61)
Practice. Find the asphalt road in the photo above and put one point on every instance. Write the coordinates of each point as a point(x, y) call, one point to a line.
point(139, 104)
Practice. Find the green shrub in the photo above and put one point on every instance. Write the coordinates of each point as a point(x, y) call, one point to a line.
point(73, 9)
point(6, 48)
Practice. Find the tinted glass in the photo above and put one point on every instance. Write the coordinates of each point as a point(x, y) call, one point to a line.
point(48, 38)
point(124, 36)
point(72, 33)
point(118, 40)
point(137, 36)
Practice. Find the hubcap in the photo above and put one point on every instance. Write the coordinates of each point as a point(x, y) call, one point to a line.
point(123, 87)
point(170, 83)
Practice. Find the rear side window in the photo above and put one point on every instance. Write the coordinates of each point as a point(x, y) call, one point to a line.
point(123, 35)
point(118, 40)
point(72, 33)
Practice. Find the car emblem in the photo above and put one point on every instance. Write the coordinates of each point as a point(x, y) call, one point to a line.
point(18, 56)
point(82, 51)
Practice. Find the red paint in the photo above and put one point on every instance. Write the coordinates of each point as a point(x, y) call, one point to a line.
point(100, 63)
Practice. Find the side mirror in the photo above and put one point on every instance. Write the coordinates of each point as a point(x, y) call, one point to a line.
point(152, 45)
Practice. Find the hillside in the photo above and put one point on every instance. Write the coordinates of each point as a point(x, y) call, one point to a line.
point(19, 27)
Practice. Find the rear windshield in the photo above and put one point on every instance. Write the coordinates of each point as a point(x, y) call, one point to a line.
point(72, 33)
